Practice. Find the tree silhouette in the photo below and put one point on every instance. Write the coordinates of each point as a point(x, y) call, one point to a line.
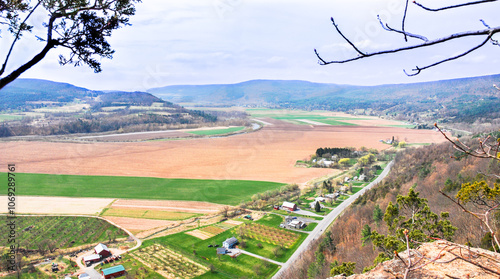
point(485, 33)
point(79, 26)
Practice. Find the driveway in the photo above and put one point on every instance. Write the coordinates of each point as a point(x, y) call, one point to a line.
point(306, 213)
point(94, 274)
point(239, 251)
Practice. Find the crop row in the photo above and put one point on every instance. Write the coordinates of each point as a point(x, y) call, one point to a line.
point(62, 231)
point(269, 235)
point(169, 261)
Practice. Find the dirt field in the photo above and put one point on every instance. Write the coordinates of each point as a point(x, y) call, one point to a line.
point(135, 225)
point(178, 206)
point(56, 205)
point(267, 155)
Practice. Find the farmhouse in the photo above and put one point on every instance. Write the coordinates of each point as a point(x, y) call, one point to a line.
point(290, 206)
point(297, 224)
point(320, 199)
point(113, 272)
point(313, 205)
point(102, 250)
point(88, 260)
point(230, 242)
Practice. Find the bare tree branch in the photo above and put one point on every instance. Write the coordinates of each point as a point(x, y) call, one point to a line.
point(404, 21)
point(388, 28)
point(453, 6)
point(417, 69)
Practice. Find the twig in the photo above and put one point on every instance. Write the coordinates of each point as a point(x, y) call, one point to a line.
point(453, 6)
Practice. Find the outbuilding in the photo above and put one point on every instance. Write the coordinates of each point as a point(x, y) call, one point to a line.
point(102, 250)
point(88, 260)
point(290, 206)
point(113, 272)
point(230, 242)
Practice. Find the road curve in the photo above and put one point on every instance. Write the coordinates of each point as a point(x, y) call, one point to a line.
point(323, 225)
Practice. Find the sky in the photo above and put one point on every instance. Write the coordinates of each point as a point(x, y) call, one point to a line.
point(176, 42)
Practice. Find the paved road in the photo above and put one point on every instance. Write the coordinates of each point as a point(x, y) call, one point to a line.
point(323, 225)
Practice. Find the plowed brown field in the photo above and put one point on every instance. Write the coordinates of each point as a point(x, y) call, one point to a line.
point(268, 154)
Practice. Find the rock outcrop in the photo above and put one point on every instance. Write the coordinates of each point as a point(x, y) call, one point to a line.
point(439, 259)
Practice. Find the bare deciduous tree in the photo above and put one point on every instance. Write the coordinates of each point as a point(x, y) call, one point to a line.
point(485, 33)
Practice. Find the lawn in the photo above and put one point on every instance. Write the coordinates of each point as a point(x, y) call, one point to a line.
point(149, 214)
point(271, 220)
point(216, 191)
point(310, 227)
point(225, 267)
point(217, 131)
point(64, 232)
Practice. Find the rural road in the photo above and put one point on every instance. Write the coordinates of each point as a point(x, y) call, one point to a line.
point(323, 225)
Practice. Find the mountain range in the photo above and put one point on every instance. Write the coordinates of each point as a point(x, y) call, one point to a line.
point(462, 99)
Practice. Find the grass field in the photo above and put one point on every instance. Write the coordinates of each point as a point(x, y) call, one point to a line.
point(225, 267)
point(65, 232)
point(149, 214)
point(8, 117)
point(216, 191)
point(217, 131)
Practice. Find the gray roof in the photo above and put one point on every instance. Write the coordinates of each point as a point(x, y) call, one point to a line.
point(221, 250)
point(231, 240)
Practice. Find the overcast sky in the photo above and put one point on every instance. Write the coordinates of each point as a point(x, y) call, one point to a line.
point(175, 42)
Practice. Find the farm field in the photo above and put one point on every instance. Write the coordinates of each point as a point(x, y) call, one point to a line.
point(225, 267)
point(325, 117)
point(64, 232)
point(217, 131)
point(168, 263)
point(56, 205)
point(268, 154)
point(149, 214)
point(217, 191)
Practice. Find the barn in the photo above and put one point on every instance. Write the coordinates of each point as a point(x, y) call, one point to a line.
point(290, 206)
point(88, 260)
point(102, 250)
point(113, 272)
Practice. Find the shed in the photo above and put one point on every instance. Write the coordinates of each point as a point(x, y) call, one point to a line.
point(290, 206)
point(221, 251)
point(113, 272)
point(102, 250)
point(88, 260)
point(230, 242)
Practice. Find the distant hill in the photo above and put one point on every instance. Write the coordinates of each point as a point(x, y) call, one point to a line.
point(462, 99)
point(33, 93)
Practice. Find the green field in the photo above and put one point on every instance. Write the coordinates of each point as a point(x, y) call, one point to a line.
point(230, 192)
point(225, 267)
point(8, 117)
point(217, 131)
point(64, 232)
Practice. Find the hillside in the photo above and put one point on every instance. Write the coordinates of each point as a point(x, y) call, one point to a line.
point(42, 108)
point(426, 170)
point(458, 99)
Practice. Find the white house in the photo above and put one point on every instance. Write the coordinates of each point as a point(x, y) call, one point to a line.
point(230, 242)
point(320, 199)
